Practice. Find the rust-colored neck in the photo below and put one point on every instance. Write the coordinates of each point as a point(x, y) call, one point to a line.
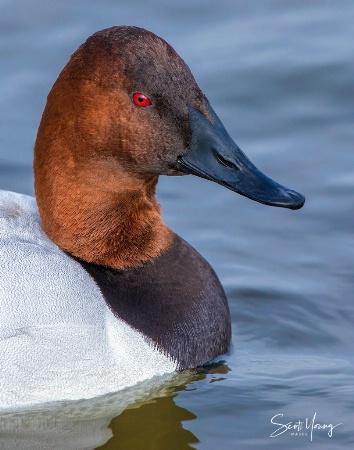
point(116, 223)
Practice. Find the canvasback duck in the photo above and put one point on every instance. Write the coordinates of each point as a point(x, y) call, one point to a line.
point(97, 294)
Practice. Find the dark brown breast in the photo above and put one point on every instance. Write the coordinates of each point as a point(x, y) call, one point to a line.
point(176, 301)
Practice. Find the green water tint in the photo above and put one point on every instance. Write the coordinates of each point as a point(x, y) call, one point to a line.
point(154, 425)
point(153, 420)
point(159, 423)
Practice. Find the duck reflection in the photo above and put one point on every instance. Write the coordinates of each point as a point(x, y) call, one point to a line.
point(156, 425)
point(144, 417)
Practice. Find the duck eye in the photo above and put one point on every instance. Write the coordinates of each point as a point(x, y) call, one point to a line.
point(141, 100)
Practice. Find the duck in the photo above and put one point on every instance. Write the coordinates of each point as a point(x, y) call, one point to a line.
point(97, 294)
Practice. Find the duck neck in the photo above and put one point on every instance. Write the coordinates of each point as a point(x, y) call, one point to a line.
point(117, 223)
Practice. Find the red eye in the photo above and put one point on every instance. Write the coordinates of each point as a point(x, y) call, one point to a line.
point(141, 100)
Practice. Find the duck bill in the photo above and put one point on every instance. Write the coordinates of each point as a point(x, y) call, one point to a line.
point(213, 155)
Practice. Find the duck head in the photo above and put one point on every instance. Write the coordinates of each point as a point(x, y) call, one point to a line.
point(125, 109)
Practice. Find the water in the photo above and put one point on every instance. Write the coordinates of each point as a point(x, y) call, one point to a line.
point(280, 76)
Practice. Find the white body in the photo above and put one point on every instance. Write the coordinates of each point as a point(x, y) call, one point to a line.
point(58, 338)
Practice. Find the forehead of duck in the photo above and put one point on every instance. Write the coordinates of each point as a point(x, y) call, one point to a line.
point(137, 60)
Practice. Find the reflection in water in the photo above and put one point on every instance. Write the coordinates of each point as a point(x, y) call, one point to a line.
point(156, 425)
point(130, 419)
point(32, 433)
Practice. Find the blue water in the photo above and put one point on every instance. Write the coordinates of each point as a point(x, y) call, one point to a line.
point(281, 77)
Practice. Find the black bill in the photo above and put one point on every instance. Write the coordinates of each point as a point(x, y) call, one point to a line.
point(213, 155)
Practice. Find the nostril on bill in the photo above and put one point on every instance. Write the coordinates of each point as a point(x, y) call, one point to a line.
point(223, 161)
